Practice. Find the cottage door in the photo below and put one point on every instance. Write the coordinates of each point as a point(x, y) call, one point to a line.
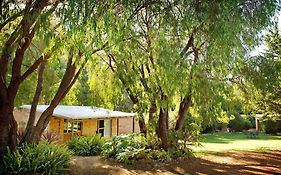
point(107, 128)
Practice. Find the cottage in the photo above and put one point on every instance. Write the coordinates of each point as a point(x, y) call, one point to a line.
point(72, 121)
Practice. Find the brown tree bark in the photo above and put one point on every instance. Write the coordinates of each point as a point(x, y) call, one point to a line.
point(152, 110)
point(8, 128)
point(132, 97)
point(162, 128)
point(19, 41)
point(163, 125)
point(187, 100)
point(142, 125)
point(69, 78)
point(29, 130)
point(183, 109)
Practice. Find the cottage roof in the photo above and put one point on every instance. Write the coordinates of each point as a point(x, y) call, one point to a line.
point(82, 112)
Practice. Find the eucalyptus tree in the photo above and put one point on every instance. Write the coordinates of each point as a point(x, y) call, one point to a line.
point(186, 50)
point(67, 31)
point(263, 71)
point(19, 23)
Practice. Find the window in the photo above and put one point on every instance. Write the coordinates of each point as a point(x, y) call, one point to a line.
point(101, 127)
point(67, 126)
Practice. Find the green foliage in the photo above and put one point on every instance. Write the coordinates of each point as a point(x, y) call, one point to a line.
point(240, 123)
point(251, 133)
point(50, 137)
point(263, 72)
point(130, 155)
point(87, 145)
point(119, 144)
point(131, 148)
point(182, 140)
point(44, 158)
point(161, 154)
point(270, 126)
point(126, 148)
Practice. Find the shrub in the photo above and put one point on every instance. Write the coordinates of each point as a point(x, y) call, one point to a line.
point(160, 154)
point(50, 137)
point(237, 124)
point(240, 123)
point(130, 155)
point(130, 148)
point(270, 126)
point(247, 124)
point(180, 142)
point(43, 158)
point(127, 148)
point(115, 146)
point(87, 145)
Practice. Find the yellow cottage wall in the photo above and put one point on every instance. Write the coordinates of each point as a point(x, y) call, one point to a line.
point(114, 127)
point(89, 126)
point(56, 127)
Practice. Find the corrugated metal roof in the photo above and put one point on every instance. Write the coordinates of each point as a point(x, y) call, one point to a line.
point(82, 112)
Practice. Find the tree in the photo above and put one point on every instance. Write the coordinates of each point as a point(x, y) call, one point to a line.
point(15, 41)
point(182, 50)
point(263, 71)
point(61, 27)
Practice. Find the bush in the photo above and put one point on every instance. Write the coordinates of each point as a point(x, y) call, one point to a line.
point(240, 123)
point(181, 141)
point(160, 154)
point(270, 126)
point(247, 124)
point(130, 148)
point(119, 144)
point(50, 137)
point(87, 145)
point(237, 124)
point(44, 158)
point(130, 155)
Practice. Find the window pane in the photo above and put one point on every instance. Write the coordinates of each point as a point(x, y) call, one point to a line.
point(101, 123)
point(65, 125)
point(101, 131)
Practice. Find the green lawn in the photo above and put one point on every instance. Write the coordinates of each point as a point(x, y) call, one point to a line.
point(219, 142)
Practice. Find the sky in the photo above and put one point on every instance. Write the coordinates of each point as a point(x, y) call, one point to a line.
point(262, 48)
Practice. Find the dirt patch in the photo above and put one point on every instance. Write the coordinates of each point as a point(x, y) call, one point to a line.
point(252, 163)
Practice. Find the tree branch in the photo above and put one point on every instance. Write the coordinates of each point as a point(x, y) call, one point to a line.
point(33, 67)
point(12, 18)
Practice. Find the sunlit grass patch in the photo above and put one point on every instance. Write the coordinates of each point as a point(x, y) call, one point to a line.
point(222, 142)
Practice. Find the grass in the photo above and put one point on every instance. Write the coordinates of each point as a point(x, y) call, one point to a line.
point(222, 142)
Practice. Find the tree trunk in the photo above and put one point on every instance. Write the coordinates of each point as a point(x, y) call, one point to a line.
point(8, 128)
point(29, 130)
point(68, 80)
point(152, 110)
point(163, 124)
point(142, 125)
point(184, 106)
point(133, 98)
point(162, 128)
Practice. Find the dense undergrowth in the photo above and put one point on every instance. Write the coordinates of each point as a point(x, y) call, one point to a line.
point(131, 148)
point(43, 158)
point(49, 158)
